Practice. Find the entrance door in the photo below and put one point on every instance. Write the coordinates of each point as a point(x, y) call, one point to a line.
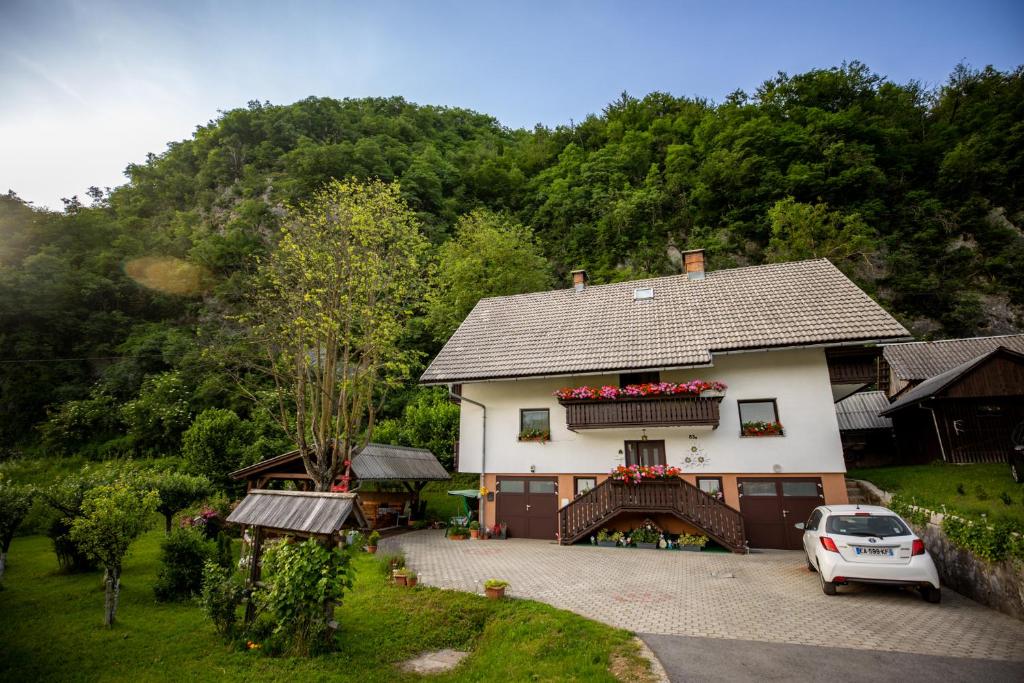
point(770, 508)
point(529, 506)
point(645, 453)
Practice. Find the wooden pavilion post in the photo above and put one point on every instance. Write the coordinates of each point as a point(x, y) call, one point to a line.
point(254, 572)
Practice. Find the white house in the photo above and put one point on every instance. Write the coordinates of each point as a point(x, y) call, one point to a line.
point(766, 452)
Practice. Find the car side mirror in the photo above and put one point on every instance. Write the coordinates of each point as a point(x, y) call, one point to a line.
point(799, 525)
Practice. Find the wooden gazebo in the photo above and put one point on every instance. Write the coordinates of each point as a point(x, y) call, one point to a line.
point(377, 463)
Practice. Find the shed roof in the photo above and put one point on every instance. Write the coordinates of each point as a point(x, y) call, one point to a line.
point(859, 411)
point(298, 511)
point(375, 462)
point(605, 329)
point(915, 361)
point(935, 385)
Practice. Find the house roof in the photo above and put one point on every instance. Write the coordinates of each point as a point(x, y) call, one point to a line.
point(375, 462)
point(298, 511)
point(859, 411)
point(937, 384)
point(915, 361)
point(603, 329)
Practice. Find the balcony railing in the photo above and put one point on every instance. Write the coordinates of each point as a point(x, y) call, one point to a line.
point(647, 411)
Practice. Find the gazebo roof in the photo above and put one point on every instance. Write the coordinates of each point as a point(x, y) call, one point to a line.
point(317, 514)
point(375, 462)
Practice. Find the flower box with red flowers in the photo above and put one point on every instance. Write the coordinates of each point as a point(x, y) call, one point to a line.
point(695, 387)
point(761, 429)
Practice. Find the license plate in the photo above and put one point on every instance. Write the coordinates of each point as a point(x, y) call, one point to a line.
point(886, 552)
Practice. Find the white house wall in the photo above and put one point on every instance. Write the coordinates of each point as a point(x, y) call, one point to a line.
point(797, 379)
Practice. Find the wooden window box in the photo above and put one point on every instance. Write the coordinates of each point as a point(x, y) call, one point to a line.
point(642, 411)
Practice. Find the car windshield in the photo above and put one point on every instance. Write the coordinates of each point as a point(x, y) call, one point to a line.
point(867, 525)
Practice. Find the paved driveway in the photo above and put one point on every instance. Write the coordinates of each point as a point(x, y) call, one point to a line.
point(766, 596)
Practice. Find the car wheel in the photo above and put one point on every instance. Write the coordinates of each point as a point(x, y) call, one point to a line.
point(933, 595)
point(810, 565)
point(827, 587)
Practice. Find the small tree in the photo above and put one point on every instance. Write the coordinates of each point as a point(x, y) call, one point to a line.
point(177, 492)
point(304, 583)
point(15, 502)
point(113, 516)
point(216, 445)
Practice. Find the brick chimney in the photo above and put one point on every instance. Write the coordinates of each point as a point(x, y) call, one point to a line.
point(693, 264)
point(579, 280)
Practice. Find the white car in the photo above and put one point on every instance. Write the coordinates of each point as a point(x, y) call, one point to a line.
point(867, 544)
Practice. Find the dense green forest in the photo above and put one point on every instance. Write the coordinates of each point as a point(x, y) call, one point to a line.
point(109, 308)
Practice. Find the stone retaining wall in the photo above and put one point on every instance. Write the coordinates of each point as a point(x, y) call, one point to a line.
point(999, 585)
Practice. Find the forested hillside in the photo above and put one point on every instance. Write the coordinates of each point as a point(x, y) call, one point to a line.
point(107, 308)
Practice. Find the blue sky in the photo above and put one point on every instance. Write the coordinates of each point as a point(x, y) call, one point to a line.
point(88, 87)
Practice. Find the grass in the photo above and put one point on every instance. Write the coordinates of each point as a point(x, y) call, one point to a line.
point(51, 630)
point(936, 485)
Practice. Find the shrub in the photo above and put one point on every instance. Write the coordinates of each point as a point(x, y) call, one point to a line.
point(374, 539)
point(15, 502)
point(224, 556)
point(691, 539)
point(645, 535)
point(183, 555)
point(304, 581)
point(216, 445)
point(220, 597)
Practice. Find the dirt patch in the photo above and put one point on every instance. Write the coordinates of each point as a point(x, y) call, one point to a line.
point(635, 663)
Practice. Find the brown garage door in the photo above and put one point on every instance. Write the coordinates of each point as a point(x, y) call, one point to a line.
point(771, 507)
point(529, 505)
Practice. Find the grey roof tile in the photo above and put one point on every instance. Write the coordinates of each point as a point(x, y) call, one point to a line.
point(860, 411)
point(602, 329)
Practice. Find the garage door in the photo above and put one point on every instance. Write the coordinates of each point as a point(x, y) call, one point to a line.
point(771, 507)
point(529, 505)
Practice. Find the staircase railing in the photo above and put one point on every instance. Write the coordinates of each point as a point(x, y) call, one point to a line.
point(672, 496)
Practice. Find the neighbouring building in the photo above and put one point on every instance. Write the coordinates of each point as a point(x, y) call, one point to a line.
point(868, 438)
point(755, 460)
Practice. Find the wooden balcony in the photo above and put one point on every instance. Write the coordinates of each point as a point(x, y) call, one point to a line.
point(649, 411)
point(676, 497)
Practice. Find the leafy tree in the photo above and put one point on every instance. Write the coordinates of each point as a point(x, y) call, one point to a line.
point(329, 317)
point(66, 498)
point(804, 231)
point(215, 445)
point(429, 421)
point(304, 583)
point(157, 418)
point(491, 255)
point(178, 491)
point(15, 502)
point(113, 517)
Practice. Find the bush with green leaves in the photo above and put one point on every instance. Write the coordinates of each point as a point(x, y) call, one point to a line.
point(157, 418)
point(221, 595)
point(15, 502)
point(183, 554)
point(65, 498)
point(215, 445)
point(113, 516)
point(303, 583)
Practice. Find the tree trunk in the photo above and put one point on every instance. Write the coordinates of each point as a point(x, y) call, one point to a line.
point(112, 585)
point(3, 563)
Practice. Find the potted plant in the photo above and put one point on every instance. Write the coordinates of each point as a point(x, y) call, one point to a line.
point(474, 529)
point(372, 541)
point(693, 543)
point(400, 576)
point(458, 533)
point(538, 435)
point(645, 537)
point(606, 538)
point(410, 578)
point(495, 588)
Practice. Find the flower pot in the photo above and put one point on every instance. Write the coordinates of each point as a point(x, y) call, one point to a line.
point(410, 581)
point(607, 544)
point(691, 548)
point(457, 537)
point(647, 546)
point(474, 533)
point(495, 593)
point(400, 579)
point(372, 549)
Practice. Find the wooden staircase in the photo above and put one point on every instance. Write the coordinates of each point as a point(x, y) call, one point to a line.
point(676, 497)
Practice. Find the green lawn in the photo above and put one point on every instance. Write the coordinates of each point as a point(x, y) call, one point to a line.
point(51, 630)
point(936, 485)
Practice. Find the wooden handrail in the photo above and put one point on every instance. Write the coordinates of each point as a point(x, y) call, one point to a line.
point(669, 496)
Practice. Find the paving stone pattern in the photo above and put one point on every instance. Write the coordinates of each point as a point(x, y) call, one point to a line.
point(771, 596)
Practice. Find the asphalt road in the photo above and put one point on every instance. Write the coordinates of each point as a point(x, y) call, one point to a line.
point(714, 659)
